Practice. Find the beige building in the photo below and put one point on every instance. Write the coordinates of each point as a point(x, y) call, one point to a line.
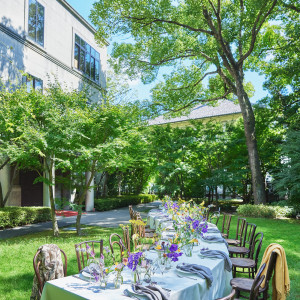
point(48, 40)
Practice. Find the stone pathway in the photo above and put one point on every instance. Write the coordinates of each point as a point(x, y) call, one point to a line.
point(111, 218)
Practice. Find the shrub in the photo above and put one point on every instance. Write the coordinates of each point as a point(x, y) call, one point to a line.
point(104, 204)
point(265, 211)
point(13, 216)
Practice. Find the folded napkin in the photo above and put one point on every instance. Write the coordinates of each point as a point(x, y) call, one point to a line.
point(92, 268)
point(218, 254)
point(151, 292)
point(214, 238)
point(199, 270)
point(213, 230)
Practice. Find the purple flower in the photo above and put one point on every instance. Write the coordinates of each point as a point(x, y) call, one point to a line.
point(96, 276)
point(173, 248)
point(133, 260)
point(195, 224)
point(174, 256)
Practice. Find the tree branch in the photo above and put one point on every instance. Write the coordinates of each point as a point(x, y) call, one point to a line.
point(192, 102)
point(166, 60)
point(197, 82)
point(157, 20)
point(255, 29)
point(5, 163)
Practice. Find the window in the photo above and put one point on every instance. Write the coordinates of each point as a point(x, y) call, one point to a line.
point(33, 83)
point(36, 22)
point(86, 59)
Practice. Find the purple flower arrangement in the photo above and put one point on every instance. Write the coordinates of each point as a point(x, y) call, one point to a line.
point(134, 260)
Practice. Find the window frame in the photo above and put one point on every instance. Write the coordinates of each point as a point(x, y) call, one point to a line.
point(37, 5)
point(85, 51)
point(30, 78)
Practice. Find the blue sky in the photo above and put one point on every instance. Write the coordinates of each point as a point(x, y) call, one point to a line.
point(143, 91)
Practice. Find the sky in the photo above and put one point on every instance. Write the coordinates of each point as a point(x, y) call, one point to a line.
point(142, 91)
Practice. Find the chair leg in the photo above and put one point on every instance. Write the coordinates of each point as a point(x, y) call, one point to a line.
point(234, 272)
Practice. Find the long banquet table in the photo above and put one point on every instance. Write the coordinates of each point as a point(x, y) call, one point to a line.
point(183, 287)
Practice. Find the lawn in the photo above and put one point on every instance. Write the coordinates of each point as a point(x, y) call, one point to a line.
point(284, 232)
point(16, 254)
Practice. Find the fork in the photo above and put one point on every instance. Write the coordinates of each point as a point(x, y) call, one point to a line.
point(186, 277)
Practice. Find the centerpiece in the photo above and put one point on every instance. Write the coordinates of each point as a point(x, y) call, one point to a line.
point(134, 263)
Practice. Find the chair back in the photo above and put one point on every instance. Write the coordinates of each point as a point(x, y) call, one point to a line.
point(47, 265)
point(255, 287)
point(131, 211)
point(228, 297)
point(241, 222)
point(118, 242)
point(256, 246)
point(270, 269)
point(83, 252)
point(226, 224)
point(214, 217)
point(126, 236)
point(256, 283)
point(248, 235)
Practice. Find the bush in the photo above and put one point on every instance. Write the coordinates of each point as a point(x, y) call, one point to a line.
point(104, 204)
point(13, 216)
point(265, 211)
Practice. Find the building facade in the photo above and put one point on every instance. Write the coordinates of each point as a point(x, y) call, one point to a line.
point(42, 41)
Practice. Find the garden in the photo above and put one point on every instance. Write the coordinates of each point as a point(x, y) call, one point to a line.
point(199, 54)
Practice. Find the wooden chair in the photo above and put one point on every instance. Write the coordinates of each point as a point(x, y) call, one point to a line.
point(239, 233)
point(126, 236)
point(119, 242)
point(37, 264)
point(131, 212)
point(245, 284)
point(249, 264)
point(143, 231)
point(228, 297)
point(83, 251)
point(246, 243)
point(214, 217)
point(226, 225)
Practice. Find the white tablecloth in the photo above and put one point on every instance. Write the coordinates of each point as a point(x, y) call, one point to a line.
point(181, 288)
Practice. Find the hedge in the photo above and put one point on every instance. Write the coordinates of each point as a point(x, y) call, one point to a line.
point(264, 211)
point(110, 203)
point(13, 216)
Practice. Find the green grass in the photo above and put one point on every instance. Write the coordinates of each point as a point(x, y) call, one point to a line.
point(284, 232)
point(16, 254)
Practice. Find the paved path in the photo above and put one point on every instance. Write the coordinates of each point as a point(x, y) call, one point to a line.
point(111, 218)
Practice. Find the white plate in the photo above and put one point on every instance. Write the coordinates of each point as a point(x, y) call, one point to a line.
point(186, 273)
point(86, 274)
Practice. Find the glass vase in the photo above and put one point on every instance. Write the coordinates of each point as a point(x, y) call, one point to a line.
point(103, 281)
point(188, 249)
point(118, 280)
point(136, 275)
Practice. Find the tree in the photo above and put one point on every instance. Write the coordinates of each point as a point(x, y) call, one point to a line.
point(213, 39)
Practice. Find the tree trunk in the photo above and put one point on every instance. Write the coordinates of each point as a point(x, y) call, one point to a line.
point(249, 127)
point(119, 183)
point(52, 203)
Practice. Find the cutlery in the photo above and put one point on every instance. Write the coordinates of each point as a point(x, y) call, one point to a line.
point(186, 277)
point(86, 280)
